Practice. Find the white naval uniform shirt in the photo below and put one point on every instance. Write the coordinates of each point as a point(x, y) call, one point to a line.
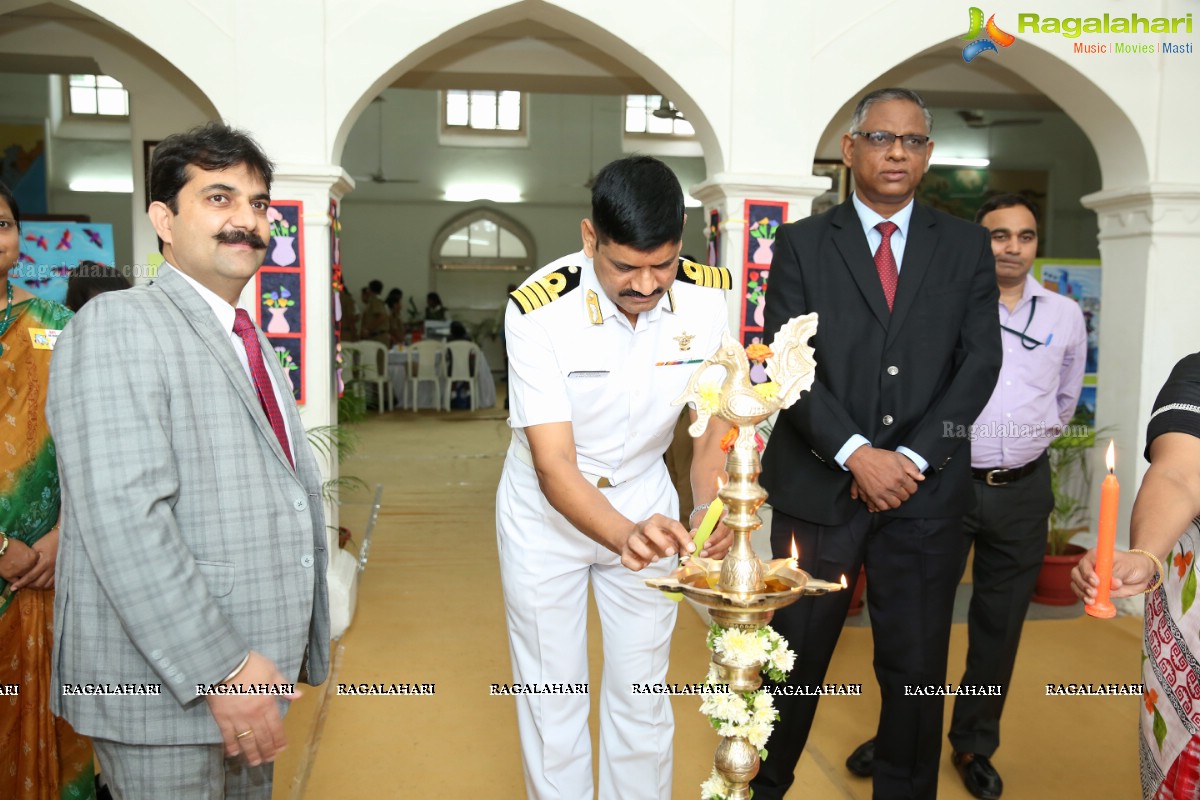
point(615, 383)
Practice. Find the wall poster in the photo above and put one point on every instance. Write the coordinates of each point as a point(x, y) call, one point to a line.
point(763, 218)
point(280, 291)
point(1078, 279)
point(51, 250)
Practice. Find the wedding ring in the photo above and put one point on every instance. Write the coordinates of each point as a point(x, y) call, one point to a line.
point(244, 733)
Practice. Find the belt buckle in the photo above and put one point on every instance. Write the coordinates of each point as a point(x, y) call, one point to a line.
point(988, 478)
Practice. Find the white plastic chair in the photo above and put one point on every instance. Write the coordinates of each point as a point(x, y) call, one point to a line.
point(426, 363)
point(461, 355)
point(351, 357)
point(369, 368)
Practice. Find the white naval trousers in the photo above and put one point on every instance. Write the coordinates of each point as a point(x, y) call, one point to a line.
point(545, 564)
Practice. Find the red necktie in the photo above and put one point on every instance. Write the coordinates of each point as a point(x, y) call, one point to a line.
point(244, 328)
point(885, 262)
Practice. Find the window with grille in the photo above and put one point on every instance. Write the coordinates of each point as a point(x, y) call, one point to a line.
point(97, 96)
point(484, 240)
point(482, 110)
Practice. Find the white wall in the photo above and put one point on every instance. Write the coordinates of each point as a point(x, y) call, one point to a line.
point(29, 99)
point(389, 229)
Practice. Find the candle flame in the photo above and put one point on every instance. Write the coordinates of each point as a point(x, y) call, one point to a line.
point(1110, 459)
point(845, 583)
point(795, 551)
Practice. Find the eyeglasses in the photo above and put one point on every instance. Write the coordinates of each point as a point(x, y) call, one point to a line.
point(883, 139)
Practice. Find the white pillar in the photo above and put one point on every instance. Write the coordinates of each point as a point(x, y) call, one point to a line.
point(727, 193)
point(1149, 237)
point(315, 186)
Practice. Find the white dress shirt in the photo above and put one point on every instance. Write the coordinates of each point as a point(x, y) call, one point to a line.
point(869, 219)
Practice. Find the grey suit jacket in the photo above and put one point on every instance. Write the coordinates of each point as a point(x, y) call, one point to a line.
point(187, 539)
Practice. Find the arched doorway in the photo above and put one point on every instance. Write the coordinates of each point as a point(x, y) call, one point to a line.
point(47, 42)
point(411, 169)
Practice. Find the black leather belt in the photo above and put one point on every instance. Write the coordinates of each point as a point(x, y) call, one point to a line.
point(1000, 476)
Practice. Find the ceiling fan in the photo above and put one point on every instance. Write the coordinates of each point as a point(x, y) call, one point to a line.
point(974, 119)
point(667, 111)
point(378, 176)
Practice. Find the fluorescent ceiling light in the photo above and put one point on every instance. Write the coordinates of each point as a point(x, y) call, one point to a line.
point(954, 161)
point(496, 192)
point(122, 185)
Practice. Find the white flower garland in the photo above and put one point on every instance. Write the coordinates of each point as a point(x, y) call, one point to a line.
point(747, 714)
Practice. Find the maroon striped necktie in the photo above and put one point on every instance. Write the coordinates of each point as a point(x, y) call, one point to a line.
point(244, 328)
point(885, 262)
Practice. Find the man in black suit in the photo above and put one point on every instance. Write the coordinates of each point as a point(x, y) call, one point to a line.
point(872, 466)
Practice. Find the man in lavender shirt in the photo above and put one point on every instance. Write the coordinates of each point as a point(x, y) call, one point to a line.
point(1045, 348)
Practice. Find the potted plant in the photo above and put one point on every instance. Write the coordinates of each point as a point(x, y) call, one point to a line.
point(1071, 481)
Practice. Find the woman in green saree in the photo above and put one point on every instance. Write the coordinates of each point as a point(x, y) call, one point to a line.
point(51, 760)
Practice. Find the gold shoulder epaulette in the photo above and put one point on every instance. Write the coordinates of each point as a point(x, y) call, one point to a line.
point(538, 292)
point(704, 275)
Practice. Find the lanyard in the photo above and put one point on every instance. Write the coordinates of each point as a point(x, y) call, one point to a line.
point(1027, 341)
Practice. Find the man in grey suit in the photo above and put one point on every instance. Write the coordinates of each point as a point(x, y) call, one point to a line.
point(192, 555)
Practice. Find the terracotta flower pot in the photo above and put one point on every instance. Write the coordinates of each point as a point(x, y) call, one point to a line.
point(1054, 581)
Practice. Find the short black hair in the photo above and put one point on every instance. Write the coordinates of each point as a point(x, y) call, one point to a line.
point(214, 146)
point(1009, 200)
point(7, 196)
point(637, 202)
point(91, 278)
point(376, 286)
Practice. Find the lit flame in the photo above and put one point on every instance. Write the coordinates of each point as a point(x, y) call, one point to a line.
point(845, 585)
point(1110, 459)
point(795, 551)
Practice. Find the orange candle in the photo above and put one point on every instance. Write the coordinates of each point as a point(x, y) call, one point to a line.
point(1110, 493)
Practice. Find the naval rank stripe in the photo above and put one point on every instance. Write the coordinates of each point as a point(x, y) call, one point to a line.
point(539, 292)
point(704, 275)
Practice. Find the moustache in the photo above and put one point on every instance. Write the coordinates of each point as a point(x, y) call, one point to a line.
point(632, 293)
point(241, 237)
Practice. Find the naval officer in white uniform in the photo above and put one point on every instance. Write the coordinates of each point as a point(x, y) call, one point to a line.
point(599, 345)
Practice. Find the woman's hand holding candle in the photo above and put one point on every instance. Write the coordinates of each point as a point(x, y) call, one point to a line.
point(1132, 573)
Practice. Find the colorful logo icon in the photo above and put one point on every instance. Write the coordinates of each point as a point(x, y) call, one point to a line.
point(994, 36)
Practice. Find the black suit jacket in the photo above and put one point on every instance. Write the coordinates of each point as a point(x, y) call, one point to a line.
point(930, 365)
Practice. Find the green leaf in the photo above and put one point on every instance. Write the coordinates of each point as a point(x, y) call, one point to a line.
point(1189, 590)
point(1160, 729)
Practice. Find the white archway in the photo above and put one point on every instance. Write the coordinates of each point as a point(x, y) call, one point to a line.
point(344, 113)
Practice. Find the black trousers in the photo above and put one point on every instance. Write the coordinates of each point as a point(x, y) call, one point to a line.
point(913, 567)
point(1008, 527)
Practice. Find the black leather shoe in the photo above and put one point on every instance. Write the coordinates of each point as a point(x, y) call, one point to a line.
point(862, 761)
point(978, 775)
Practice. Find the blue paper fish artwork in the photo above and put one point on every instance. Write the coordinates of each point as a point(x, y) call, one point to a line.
point(43, 269)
